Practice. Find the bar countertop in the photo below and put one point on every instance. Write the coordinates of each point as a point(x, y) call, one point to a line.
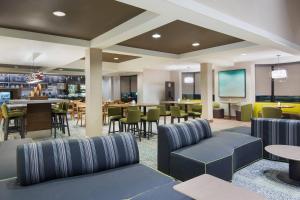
point(26, 101)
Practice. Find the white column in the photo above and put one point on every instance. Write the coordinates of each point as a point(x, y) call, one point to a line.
point(206, 90)
point(140, 87)
point(93, 83)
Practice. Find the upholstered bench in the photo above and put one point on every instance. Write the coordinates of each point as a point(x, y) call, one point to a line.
point(96, 168)
point(189, 149)
point(276, 131)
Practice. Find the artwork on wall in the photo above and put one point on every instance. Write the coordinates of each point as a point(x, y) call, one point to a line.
point(232, 83)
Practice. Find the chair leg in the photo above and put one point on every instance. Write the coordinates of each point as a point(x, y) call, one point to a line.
point(5, 126)
point(109, 127)
point(172, 120)
point(139, 132)
point(67, 124)
point(165, 119)
point(114, 127)
point(178, 119)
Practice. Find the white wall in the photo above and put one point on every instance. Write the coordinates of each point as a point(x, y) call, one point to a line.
point(106, 88)
point(250, 85)
point(152, 84)
point(115, 90)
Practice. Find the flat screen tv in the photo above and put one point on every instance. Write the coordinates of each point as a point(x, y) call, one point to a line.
point(4, 97)
point(232, 83)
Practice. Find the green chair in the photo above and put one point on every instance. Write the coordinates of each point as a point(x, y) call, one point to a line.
point(19, 121)
point(271, 112)
point(245, 114)
point(163, 112)
point(60, 118)
point(216, 105)
point(114, 115)
point(177, 113)
point(152, 116)
point(196, 111)
point(132, 121)
point(135, 108)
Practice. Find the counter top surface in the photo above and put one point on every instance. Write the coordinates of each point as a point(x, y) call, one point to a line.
point(26, 101)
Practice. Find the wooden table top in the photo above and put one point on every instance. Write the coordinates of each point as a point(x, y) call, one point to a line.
point(285, 151)
point(182, 103)
point(209, 187)
point(284, 106)
point(126, 105)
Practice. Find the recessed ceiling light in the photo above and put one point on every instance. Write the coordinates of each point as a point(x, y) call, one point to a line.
point(60, 69)
point(195, 44)
point(243, 54)
point(59, 13)
point(116, 58)
point(156, 36)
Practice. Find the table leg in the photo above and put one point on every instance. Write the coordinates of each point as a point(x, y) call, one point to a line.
point(229, 110)
point(145, 110)
point(294, 170)
point(186, 108)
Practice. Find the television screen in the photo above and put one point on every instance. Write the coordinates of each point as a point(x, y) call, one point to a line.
point(4, 97)
point(232, 83)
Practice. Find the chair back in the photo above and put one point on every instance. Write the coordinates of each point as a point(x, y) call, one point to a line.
point(197, 108)
point(271, 112)
point(134, 116)
point(153, 114)
point(246, 112)
point(4, 110)
point(162, 109)
point(114, 111)
point(175, 111)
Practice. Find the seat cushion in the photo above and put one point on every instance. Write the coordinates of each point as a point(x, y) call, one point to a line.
point(8, 158)
point(247, 149)
point(115, 117)
point(209, 156)
point(119, 183)
point(164, 192)
point(12, 114)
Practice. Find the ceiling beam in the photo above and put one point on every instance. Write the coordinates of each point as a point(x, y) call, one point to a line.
point(194, 12)
point(138, 25)
point(219, 49)
point(140, 52)
point(43, 37)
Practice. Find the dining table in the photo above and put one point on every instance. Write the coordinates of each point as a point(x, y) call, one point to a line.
point(185, 103)
point(230, 104)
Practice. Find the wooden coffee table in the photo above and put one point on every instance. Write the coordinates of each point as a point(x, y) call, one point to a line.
point(209, 187)
point(292, 153)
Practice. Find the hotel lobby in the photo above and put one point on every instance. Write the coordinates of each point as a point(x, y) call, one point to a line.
point(152, 99)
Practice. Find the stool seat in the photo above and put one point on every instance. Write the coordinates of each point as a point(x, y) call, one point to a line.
point(13, 114)
point(115, 117)
point(59, 111)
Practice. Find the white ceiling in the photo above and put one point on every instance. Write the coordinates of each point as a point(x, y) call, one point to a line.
point(16, 49)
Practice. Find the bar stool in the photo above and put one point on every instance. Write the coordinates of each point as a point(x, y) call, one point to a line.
point(132, 120)
point(177, 113)
point(163, 112)
point(19, 121)
point(114, 115)
point(60, 118)
point(152, 116)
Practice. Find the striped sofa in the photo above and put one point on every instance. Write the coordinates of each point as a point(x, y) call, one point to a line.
point(276, 131)
point(95, 168)
point(189, 149)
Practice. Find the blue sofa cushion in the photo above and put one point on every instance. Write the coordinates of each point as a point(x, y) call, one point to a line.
point(209, 156)
point(276, 131)
point(175, 136)
point(46, 160)
point(119, 183)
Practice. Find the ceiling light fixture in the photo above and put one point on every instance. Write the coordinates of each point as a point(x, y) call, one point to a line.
point(116, 58)
point(60, 69)
point(243, 54)
point(59, 13)
point(195, 44)
point(156, 36)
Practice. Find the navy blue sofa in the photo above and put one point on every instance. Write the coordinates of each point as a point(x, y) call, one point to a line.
point(75, 169)
point(189, 149)
point(276, 131)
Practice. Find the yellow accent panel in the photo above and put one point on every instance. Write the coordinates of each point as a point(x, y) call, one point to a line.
point(259, 105)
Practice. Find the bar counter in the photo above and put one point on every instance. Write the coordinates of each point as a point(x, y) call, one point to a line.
point(38, 112)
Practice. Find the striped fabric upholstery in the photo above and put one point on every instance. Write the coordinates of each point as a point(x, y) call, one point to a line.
point(276, 131)
point(42, 161)
point(187, 133)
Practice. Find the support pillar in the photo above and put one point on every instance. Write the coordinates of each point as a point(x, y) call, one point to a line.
point(206, 82)
point(93, 84)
